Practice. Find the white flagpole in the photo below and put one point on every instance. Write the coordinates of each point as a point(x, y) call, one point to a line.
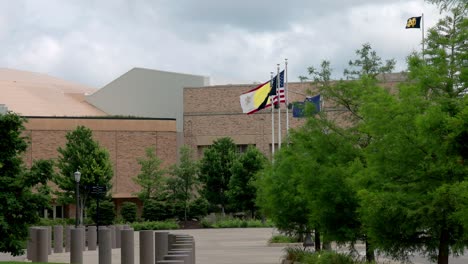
point(422, 30)
point(272, 120)
point(279, 106)
point(287, 96)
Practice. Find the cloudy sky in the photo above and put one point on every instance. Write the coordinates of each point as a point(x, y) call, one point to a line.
point(235, 41)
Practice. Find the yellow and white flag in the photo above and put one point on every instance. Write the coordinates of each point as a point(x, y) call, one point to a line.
point(256, 99)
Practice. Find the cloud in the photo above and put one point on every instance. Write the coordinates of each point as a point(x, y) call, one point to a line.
point(93, 42)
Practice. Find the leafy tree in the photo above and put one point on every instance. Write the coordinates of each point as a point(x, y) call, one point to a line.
point(242, 190)
point(185, 179)
point(279, 196)
point(416, 160)
point(129, 212)
point(215, 171)
point(20, 204)
point(151, 178)
point(82, 153)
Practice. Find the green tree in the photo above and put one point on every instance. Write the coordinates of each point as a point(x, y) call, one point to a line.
point(20, 203)
point(215, 171)
point(416, 159)
point(184, 183)
point(242, 190)
point(82, 153)
point(152, 176)
point(279, 197)
point(128, 212)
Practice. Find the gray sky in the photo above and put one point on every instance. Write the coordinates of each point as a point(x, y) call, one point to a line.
point(235, 41)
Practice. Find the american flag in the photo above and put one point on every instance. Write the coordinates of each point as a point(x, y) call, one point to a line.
point(281, 89)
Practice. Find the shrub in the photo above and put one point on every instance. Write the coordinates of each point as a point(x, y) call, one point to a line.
point(57, 221)
point(198, 208)
point(128, 212)
point(154, 210)
point(106, 212)
point(155, 225)
point(283, 239)
point(328, 257)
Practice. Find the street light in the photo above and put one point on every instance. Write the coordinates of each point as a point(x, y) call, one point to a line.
point(77, 180)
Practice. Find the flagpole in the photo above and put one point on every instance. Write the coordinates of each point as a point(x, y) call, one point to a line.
point(272, 120)
point(422, 31)
point(287, 96)
point(279, 105)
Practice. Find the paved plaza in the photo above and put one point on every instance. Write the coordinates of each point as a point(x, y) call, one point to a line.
point(218, 246)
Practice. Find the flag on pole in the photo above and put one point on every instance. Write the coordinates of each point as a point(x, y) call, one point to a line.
point(413, 22)
point(281, 89)
point(256, 99)
point(299, 108)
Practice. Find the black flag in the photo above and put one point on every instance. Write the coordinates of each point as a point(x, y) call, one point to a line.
point(413, 22)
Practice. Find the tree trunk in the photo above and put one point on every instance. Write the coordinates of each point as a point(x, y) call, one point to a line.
point(317, 240)
point(370, 255)
point(443, 257)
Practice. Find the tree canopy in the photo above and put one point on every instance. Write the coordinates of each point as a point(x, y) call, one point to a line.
point(215, 171)
point(82, 153)
point(23, 191)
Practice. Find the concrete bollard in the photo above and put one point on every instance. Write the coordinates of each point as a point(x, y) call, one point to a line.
point(146, 247)
point(83, 231)
point(105, 246)
point(67, 238)
point(58, 239)
point(113, 236)
point(34, 244)
point(171, 239)
point(42, 249)
point(118, 236)
point(184, 257)
point(76, 246)
point(188, 252)
point(49, 239)
point(127, 253)
point(92, 237)
point(160, 244)
point(29, 248)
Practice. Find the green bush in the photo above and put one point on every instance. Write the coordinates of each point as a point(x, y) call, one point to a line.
point(198, 208)
point(297, 254)
point(128, 212)
point(328, 257)
point(228, 222)
point(57, 221)
point(155, 225)
point(154, 210)
point(106, 212)
point(283, 239)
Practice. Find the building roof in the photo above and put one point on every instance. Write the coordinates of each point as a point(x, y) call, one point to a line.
point(34, 94)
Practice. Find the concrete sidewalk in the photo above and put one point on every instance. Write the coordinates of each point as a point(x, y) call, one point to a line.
point(213, 246)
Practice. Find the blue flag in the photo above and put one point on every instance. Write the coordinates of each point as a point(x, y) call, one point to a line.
point(299, 108)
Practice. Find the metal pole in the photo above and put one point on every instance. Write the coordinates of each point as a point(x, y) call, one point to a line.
point(97, 217)
point(279, 105)
point(77, 204)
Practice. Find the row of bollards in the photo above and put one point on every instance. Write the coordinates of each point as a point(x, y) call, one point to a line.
point(155, 246)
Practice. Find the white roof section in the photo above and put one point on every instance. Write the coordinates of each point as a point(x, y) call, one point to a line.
point(147, 93)
point(34, 94)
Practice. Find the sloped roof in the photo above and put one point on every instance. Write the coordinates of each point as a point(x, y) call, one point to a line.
point(34, 94)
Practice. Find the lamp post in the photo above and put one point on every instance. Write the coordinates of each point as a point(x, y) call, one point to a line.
point(77, 180)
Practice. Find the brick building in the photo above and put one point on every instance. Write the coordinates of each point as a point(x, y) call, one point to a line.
point(173, 109)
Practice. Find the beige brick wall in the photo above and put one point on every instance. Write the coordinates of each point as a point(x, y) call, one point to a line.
point(213, 112)
point(125, 141)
